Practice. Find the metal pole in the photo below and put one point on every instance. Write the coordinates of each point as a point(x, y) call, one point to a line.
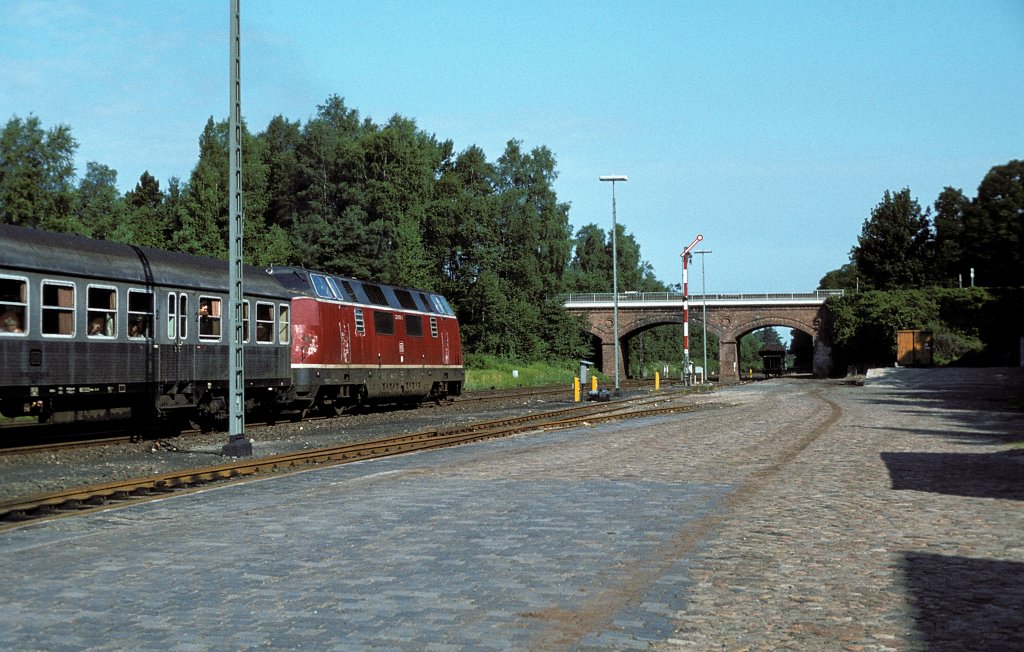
point(704, 296)
point(615, 279)
point(237, 445)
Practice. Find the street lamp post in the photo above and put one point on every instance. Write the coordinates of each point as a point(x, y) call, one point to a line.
point(704, 296)
point(615, 278)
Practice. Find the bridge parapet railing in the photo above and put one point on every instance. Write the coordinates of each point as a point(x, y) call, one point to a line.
point(677, 297)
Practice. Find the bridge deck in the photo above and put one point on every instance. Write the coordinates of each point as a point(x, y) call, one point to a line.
point(655, 299)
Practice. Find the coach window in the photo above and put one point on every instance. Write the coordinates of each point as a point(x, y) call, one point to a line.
point(58, 308)
point(284, 322)
point(101, 311)
point(182, 316)
point(383, 323)
point(433, 326)
point(245, 321)
point(13, 305)
point(360, 323)
point(172, 316)
point(414, 326)
point(264, 322)
point(209, 318)
point(140, 313)
point(177, 316)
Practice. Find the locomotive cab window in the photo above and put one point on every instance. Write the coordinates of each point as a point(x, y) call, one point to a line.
point(333, 282)
point(264, 323)
point(439, 306)
point(140, 313)
point(58, 308)
point(101, 311)
point(209, 318)
point(13, 306)
point(321, 287)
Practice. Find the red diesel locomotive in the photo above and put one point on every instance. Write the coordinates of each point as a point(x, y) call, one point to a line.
point(356, 342)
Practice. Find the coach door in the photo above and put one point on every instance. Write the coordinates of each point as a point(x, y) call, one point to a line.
point(177, 358)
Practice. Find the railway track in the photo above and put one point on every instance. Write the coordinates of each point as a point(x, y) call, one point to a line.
point(37, 438)
point(15, 512)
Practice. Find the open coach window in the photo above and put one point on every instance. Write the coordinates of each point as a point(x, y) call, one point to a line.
point(13, 305)
point(58, 308)
point(140, 313)
point(102, 311)
point(209, 318)
point(264, 322)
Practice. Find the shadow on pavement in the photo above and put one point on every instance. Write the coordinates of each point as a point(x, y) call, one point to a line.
point(981, 475)
point(967, 604)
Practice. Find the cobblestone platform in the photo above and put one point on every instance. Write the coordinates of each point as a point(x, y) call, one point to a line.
point(798, 515)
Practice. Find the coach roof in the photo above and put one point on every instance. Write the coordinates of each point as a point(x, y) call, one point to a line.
point(47, 252)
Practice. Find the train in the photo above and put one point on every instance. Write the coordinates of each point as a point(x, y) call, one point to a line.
point(94, 330)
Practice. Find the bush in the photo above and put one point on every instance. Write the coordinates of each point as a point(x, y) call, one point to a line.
point(951, 347)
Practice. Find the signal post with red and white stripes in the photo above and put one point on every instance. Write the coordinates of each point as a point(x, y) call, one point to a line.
point(686, 255)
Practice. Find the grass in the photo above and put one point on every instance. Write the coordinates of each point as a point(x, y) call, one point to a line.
point(485, 372)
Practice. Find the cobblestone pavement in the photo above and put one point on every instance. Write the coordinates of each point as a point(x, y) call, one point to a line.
point(803, 515)
point(899, 527)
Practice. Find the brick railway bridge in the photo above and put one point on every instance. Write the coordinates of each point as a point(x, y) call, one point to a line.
point(729, 317)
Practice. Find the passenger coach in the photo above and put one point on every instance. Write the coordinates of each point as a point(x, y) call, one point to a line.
point(91, 329)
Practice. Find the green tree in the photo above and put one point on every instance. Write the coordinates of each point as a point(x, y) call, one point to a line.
point(950, 209)
point(330, 226)
point(145, 222)
point(846, 277)
point(459, 237)
point(37, 175)
point(994, 224)
point(98, 206)
point(895, 248)
point(280, 154)
point(591, 267)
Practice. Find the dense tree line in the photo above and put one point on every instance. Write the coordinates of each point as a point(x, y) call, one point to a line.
point(346, 195)
point(914, 271)
point(902, 246)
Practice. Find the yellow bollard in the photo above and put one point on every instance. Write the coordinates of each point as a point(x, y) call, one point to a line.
point(657, 381)
point(593, 383)
point(576, 389)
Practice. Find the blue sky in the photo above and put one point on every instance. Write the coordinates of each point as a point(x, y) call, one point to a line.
point(771, 128)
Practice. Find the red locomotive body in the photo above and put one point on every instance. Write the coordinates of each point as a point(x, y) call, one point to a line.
point(357, 342)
